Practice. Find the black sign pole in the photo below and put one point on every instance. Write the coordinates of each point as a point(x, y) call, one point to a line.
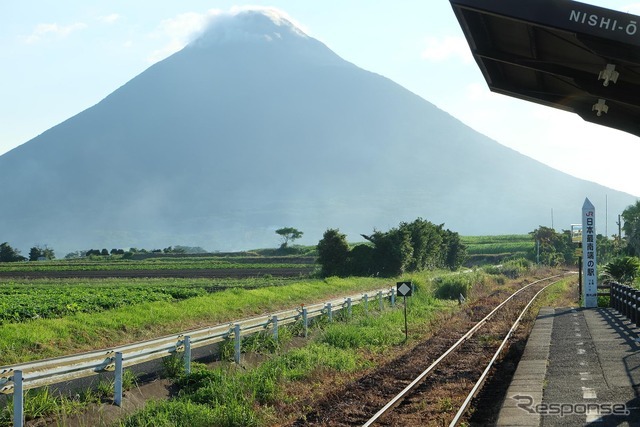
point(406, 328)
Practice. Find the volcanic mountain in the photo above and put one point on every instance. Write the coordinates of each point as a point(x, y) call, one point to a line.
point(255, 126)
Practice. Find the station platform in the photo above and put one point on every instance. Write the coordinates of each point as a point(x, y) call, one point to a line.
point(580, 367)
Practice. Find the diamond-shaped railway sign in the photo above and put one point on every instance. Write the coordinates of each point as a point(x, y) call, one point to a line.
point(404, 289)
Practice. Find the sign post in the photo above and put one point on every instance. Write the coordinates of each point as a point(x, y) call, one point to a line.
point(404, 290)
point(589, 269)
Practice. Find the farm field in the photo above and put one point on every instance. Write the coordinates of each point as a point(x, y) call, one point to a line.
point(160, 263)
point(495, 249)
point(49, 318)
point(209, 266)
point(23, 299)
point(340, 351)
point(509, 243)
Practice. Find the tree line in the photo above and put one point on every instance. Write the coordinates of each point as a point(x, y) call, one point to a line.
point(410, 247)
point(36, 253)
point(620, 256)
point(10, 254)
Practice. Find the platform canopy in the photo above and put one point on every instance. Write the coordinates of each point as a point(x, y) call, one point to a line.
point(560, 53)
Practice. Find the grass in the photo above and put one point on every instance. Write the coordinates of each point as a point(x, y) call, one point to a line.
point(26, 299)
point(234, 397)
point(43, 338)
point(42, 403)
point(511, 244)
point(228, 396)
point(452, 286)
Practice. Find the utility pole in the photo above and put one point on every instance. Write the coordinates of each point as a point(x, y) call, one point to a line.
point(606, 216)
point(619, 223)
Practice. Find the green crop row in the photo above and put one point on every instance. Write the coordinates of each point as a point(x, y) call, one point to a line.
point(138, 265)
point(23, 300)
point(492, 245)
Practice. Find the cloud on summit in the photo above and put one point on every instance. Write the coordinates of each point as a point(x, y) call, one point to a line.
point(187, 27)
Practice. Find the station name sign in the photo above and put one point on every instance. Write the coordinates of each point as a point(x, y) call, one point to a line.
point(565, 15)
point(589, 270)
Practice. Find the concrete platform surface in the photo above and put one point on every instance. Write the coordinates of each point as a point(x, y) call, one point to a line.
point(580, 367)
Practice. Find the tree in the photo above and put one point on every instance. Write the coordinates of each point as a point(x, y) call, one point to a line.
point(288, 234)
point(555, 248)
point(360, 262)
point(426, 241)
point(38, 252)
point(631, 227)
point(410, 247)
point(333, 253)
point(623, 270)
point(392, 251)
point(455, 250)
point(9, 254)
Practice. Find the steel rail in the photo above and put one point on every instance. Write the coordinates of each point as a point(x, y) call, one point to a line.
point(400, 396)
point(60, 369)
point(480, 382)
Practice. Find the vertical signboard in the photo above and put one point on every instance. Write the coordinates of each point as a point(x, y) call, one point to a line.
point(589, 271)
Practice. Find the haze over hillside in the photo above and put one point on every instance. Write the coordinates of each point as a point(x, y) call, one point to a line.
point(255, 126)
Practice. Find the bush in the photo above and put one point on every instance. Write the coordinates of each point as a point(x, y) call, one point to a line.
point(623, 270)
point(451, 287)
point(511, 269)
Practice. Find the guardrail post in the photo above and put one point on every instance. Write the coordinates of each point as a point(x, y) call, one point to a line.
point(187, 355)
point(236, 332)
point(366, 304)
point(614, 296)
point(117, 387)
point(18, 399)
point(274, 319)
point(627, 301)
point(636, 307)
point(380, 300)
point(619, 298)
point(305, 321)
point(329, 313)
point(349, 307)
point(393, 297)
point(632, 307)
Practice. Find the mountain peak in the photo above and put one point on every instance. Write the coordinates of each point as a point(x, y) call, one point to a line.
point(250, 25)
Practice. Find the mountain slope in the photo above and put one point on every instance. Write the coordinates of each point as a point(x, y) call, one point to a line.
point(255, 126)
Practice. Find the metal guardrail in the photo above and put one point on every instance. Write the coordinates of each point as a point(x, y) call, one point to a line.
point(626, 300)
point(15, 379)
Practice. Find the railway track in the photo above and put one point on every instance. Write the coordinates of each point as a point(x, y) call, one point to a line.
point(434, 382)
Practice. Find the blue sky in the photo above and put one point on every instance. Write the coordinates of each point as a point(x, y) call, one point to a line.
point(61, 57)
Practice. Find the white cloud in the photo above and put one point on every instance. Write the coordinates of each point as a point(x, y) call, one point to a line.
point(441, 49)
point(110, 19)
point(186, 27)
point(277, 15)
point(179, 31)
point(45, 30)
